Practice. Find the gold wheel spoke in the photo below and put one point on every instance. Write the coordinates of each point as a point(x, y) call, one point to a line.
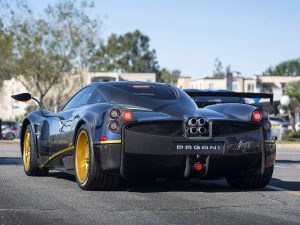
point(82, 156)
point(26, 150)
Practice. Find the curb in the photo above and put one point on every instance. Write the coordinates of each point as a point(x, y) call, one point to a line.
point(15, 141)
point(288, 146)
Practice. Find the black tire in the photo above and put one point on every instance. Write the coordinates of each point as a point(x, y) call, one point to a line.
point(34, 169)
point(10, 136)
point(95, 179)
point(255, 182)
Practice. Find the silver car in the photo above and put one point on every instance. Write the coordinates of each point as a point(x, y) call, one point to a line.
point(10, 130)
point(297, 127)
point(279, 126)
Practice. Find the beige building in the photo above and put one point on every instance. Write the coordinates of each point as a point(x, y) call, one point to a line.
point(258, 84)
point(104, 77)
point(59, 94)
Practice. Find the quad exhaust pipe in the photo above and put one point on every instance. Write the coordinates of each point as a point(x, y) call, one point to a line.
point(202, 130)
point(200, 121)
point(195, 130)
point(192, 122)
point(196, 126)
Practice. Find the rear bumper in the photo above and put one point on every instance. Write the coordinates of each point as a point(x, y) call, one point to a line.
point(144, 154)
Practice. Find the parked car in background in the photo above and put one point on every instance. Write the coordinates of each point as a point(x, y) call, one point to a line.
point(279, 126)
point(10, 130)
point(297, 127)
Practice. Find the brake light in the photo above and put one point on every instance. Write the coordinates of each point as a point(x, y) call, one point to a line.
point(13, 128)
point(256, 116)
point(113, 125)
point(103, 138)
point(198, 166)
point(127, 115)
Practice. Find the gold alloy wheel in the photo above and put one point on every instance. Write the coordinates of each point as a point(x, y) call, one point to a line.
point(26, 150)
point(82, 156)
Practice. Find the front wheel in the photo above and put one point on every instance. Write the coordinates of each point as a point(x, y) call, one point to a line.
point(254, 182)
point(88, 171)
point(30, 155)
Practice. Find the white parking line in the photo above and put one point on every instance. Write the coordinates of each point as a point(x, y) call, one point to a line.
point(286, 167)
point(296, 193)
point(288, 153)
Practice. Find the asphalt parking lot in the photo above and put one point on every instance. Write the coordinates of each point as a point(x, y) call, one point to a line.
point(58, 200)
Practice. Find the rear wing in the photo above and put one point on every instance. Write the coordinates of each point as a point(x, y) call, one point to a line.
point(256, 96)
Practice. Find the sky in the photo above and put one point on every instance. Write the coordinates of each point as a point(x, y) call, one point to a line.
point(249, 35)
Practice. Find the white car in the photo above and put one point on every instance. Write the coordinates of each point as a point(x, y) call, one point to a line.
point(297, 127)
point(10, 130)
point(279, 126)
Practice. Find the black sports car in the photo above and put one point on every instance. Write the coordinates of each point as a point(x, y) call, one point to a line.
point(114, 130)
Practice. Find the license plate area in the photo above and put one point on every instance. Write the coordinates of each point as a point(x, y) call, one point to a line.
point(199, 148)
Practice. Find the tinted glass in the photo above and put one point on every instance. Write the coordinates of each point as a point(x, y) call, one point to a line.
point(278, 119)
point(96, 98)
point(10, 124)
point(217, 99)
point(81, 98)
point(155, 91)
point(210, 100)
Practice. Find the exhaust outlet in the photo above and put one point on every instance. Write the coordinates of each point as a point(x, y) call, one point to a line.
point(202, 130)
point(193, 130)
point(201, 121)
point(192, 122)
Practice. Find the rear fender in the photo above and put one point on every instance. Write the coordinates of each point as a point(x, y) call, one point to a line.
point(234, 110)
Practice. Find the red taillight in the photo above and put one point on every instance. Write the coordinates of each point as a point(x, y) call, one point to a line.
point(198, 166)
point(13, 128)
point(127, 115)
point(256, 116)
point(103, 138)
point(114, 113)
point(113, 125)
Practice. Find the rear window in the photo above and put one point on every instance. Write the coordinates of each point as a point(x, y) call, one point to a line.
point(210, 100)
point(218, 99)
point(9, 124)
point(162, 92)
point(278, 119)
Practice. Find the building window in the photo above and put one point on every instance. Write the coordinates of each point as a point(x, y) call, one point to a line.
point(211, 86)
point(235, 87)
point(266, 88)
point(250, 87)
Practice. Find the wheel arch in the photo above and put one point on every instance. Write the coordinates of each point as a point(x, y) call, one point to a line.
point(25, 123)
point(91, 119)
point(79, 124)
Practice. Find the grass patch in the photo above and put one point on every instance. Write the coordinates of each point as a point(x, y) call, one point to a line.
point(288, 142)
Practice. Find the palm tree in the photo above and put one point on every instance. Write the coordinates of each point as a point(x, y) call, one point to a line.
point(292, 89)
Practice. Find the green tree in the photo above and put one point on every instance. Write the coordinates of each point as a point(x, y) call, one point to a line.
point(49, 47)
point(169, 77)
point(126, 53)
point(286, 68)
point(218, 69)
point(6, 54)
point(292, 89)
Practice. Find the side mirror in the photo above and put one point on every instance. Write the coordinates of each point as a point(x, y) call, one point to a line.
point(24, 97)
